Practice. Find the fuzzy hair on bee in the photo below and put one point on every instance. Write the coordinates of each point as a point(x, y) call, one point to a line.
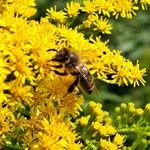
point(72, 65)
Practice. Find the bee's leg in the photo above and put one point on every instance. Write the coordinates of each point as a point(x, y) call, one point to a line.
point(60, 73)
point(58, 66)
point(72, 86)
point(6, 28)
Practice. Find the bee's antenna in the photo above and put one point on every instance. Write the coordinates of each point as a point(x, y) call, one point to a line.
point(52, 50)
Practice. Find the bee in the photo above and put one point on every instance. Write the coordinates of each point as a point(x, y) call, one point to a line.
point(71, 62)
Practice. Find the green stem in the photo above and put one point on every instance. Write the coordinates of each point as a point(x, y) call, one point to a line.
point(143, 130)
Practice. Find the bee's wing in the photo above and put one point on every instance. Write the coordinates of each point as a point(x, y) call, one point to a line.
point(85, 74)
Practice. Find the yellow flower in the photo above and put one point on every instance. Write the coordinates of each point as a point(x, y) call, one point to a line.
point(59, 134)
point(56, 97)
point(124, 8)
point(20, 92)
point(97, 111)
point(7, 120)
point(118, 140)
point(68, 103)
point(139, 111)
point(58, 16)
point(144, 4)
point(34, 98)
point(25, 8)
point(136, 75)
point(84, 120)
point(96, 125)
point(107, 145)
point(71, 104)
point(72, 9)
point(90, 19)
point(147, 107)
point(103, 26)
point(104, 7)
point(89, 7)
point(107, 130)
point(74, 146)
point(121, 76)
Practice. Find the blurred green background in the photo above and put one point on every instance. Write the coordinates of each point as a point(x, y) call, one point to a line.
point(132, 37)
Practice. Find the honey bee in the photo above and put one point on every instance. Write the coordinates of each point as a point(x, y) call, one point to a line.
point(71, 62)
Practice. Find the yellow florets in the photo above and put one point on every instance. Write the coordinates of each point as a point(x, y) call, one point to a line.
point(36, 109)
point(103, 26)
point(89, 7)
point(58, 16)
point(116, 144)
point(98, 123)
point(144, 4)
point(72, 9)
point(124, 8)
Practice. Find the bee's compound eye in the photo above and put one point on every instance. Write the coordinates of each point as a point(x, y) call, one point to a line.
point(61, 56)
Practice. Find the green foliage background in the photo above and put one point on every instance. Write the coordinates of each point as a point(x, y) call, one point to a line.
point(132, 38)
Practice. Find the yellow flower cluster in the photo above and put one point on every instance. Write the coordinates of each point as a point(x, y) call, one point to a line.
point(128, 114)
point(34, 103)
point(25, 8)
point(130, 121)
point(107, 64)
point(98, 125)
point(125, 9)
point(97, 13)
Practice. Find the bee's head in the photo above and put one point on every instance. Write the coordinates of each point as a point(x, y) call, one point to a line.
point(62, 55)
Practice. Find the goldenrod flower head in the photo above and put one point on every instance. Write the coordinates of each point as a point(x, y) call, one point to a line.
point(72, 9)
point(57, 134)
point(103, 26)
point(123, 106)
point(92, 105)
point(98, 111)
point(99, 118)
point(96, 125)
point(58, 16)
point(119, 140)
point(131, 109)
point(104, 7)
point(147, 107)
point(107, 145)
point(60, 99)
point(144, 4)
point(117, 110)
point(120, 77)
point(131, 104)
point(139, 111)
point(36, 109)
point(107, 130)
point(115, 144)
point(5, 117)
point(25, 8)
point(89, 7)
point(137, 74)
point(124, 8)
point(87, 23)
point(90, 20)
point(84, 120)
point(20, 92)
point(71, 104)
